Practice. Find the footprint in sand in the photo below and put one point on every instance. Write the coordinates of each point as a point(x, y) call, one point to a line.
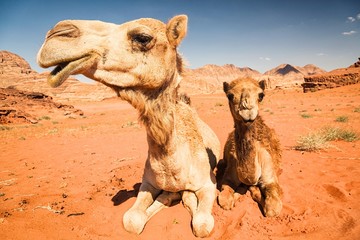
point(348, 221)
point(335, 192)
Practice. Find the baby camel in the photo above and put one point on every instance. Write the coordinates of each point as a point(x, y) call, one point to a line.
point(252, 152)
point(139, 60)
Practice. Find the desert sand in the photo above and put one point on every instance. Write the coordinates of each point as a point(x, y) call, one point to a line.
point(73, 177)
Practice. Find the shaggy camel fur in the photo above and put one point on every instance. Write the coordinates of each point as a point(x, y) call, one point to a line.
point(139, 60)
point(252, 152)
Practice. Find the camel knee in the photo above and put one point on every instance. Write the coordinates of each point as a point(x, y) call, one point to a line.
point(202, 224)
point(134, 221)
point(256, 194)
point(273, 207)
point(273, 203)
point(226, 198)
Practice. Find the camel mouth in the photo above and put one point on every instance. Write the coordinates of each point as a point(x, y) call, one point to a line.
point(249, 121)
point(58, 68)
point(248, 116)
point(63, 70)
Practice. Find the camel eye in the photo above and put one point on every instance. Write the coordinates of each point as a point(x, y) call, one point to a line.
point(261, 96)
point(142, 38)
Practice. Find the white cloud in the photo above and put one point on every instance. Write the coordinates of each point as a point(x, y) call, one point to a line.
point(349, 33)
point(351, 19)
point(358, 16)
point(265, 58)
point(320, 54)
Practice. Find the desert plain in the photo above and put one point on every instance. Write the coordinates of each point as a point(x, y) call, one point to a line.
point(72, 176)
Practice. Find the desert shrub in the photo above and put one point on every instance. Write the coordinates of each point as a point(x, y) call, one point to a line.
point(335, 133)
point(320, 139)
point(45, 118)
point(305, 115)
point(357, 109)
point(311, 142)
point(342, 119)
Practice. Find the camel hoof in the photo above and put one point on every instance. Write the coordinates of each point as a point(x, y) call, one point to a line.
point(226, 201)
point(273, 210)
point(202, 225)
point(134, 221)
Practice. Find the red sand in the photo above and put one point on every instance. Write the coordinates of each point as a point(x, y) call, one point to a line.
point(67, 178)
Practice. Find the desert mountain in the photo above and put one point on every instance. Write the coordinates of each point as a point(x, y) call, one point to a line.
point(286, 75)
point(287, 69)
point(209, 78)
point(284, 69)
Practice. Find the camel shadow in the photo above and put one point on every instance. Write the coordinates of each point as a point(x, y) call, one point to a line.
point(124, 195)
point(219, 173)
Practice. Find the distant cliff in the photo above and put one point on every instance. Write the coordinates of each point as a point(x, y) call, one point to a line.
point(333, 79)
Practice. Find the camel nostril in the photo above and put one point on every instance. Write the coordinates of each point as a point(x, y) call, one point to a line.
point(64, 30)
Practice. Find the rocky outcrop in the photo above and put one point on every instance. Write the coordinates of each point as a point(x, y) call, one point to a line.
point(30, 107)
point(336, 78)
point(316, 83)
point(12, 64)
point(356, 64)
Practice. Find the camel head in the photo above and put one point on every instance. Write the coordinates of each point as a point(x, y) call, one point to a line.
point(141, 53)
point(244, 95)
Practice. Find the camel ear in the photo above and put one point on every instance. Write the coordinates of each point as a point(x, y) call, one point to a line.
point(176, 29)
point(262, 84)
point(226, 87)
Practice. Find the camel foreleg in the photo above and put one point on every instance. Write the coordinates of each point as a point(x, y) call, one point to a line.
point(269, 198)
point(165, 199)
point(136, 217)
point(200, 205)
point(145, 207)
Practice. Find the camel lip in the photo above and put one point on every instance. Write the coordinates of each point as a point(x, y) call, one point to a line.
point(64, 69)
point(249, 121)
point(59, 68)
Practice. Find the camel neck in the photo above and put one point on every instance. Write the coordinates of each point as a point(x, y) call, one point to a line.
point(156, 111)
point(245, 135)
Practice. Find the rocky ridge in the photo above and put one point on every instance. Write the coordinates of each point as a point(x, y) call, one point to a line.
point(336, 78)
point(30, 107)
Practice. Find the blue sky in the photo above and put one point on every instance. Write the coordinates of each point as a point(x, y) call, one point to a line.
point(260, 34)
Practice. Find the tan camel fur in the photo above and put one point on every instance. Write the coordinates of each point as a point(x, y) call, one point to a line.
point(252, 152)
point(139, 60)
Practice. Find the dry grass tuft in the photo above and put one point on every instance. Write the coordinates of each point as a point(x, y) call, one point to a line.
point(320, 140)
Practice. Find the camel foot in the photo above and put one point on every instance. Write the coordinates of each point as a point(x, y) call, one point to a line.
point(272, 207)
point(226, 199)
point(134, 221)
point(202, 224)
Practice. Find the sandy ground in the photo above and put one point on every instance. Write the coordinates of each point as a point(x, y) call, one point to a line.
point(73, 178)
